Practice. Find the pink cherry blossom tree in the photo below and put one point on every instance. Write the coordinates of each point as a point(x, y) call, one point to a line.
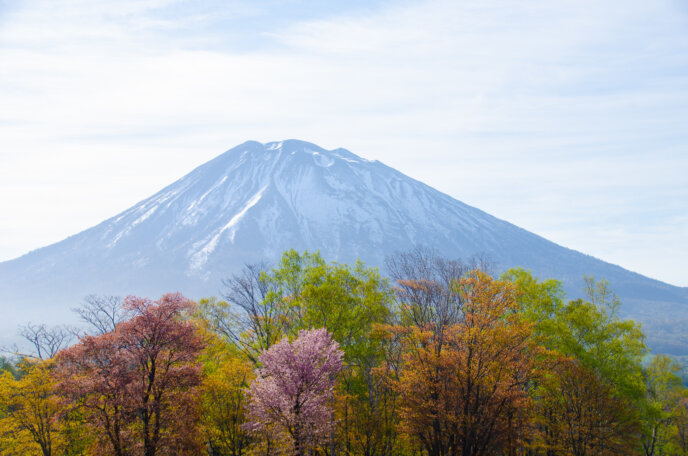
point(293, 390)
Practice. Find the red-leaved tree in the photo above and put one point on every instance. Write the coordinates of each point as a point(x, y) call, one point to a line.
point(136, 383)
point(293, 390)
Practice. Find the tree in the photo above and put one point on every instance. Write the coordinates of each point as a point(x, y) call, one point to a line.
point(583, 415)
point(30, 412)
point(294, 387)
point(136, 383)
point(593, 360)
point(304, 291)
point(541, 302)
point(347, 301)
point(95, 376)
point(587, 330)
point(6, 365)
point(102, 314)
point(424, 283)
point(663, 393)
point(463, 386)
point(681, 420)
point(226, 375)
point(31, 415)
point(252, 318)
point(46, 341)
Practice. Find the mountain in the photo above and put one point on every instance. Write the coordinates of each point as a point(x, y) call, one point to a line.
point(257, 200)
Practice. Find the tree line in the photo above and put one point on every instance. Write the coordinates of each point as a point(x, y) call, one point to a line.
point(322, 359)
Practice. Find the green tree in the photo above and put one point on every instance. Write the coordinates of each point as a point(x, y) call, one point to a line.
point(594, 358)
point(540, 302)
point(6, 365)
point(664, 390)
point(303, 291)
point(588, 330)
point(680, 432)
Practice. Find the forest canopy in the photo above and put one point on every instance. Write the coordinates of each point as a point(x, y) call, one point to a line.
point(311, 357)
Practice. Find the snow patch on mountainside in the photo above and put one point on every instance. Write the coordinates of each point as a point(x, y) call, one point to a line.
point(203, 196)
point(322, 160)
point(199, 258)
point(133, 224)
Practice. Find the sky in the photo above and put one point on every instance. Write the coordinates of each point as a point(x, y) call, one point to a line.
point(567, 118)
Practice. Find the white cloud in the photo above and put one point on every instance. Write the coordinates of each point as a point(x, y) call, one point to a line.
point(550, 115)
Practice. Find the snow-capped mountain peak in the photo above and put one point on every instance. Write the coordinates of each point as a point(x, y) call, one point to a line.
point(256, 200)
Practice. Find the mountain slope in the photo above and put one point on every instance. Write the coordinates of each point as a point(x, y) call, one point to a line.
point(256, 200)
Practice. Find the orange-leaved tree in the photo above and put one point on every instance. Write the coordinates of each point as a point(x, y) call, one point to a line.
point(463, 380)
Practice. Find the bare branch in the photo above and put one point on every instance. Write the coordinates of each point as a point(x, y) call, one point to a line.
point(425, 285)
point(46, 341)
point(101, 313)
point(251, 309)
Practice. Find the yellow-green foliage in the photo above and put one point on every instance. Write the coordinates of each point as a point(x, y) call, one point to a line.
point(30, 412)
point(226, 375)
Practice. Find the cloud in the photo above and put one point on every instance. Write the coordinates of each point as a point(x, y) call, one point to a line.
point(549, 115)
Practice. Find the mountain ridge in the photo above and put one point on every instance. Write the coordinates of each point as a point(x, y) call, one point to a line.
point(256, 200)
